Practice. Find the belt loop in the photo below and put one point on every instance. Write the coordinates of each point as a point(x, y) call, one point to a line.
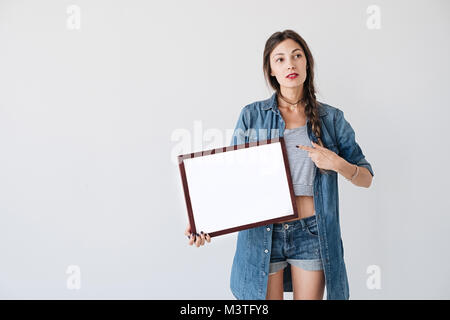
point(303, 223)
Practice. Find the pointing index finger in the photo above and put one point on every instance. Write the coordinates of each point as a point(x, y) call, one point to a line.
point(307, 148)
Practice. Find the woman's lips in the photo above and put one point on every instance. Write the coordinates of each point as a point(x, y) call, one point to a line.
point(292, 76)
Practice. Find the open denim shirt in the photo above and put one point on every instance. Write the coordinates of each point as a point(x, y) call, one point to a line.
point(262, 120)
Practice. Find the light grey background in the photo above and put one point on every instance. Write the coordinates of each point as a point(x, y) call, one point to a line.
point(90, 121)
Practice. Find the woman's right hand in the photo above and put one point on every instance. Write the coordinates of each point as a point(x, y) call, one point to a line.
point(198, 239)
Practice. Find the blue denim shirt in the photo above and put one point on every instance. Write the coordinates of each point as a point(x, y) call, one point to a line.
point(262, 120)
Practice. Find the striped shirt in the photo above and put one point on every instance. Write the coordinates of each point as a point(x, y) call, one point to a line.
point(301, 166)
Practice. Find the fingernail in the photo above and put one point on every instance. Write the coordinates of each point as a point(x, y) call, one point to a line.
point(297, 146)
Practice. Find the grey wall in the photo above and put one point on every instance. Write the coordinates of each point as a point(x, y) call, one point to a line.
point(96, 103)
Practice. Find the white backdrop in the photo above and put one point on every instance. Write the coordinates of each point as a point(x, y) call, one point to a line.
point(98, 97)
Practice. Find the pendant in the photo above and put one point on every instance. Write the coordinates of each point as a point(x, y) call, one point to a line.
point(293, 106)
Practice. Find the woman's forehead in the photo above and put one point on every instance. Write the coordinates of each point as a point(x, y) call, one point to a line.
point(286, 47)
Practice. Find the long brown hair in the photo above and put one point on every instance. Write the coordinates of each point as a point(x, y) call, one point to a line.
point(309, 92)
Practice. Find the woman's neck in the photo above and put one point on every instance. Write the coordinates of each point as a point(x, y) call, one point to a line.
point(291, 94)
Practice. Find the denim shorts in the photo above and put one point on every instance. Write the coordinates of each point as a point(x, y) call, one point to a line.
point(297, 243)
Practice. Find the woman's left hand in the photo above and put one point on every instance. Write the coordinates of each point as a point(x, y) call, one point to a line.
point(322, 157)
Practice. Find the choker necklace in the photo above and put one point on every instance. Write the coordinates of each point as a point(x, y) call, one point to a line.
point(292, 105)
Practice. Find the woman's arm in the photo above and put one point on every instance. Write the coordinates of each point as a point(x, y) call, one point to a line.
point(350, 153)
point(240, 131)
point(347, 170)
point(349, 157)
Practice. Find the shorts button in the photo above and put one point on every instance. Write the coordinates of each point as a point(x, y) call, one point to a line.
point(268, 229)
point(266, 251)
point(286, 226)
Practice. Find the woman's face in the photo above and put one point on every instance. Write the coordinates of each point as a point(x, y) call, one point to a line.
point(287, 58)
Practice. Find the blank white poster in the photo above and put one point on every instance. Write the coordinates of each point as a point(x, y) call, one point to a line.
point(238, 187)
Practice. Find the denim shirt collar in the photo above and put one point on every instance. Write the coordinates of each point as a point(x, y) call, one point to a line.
point(272, 103)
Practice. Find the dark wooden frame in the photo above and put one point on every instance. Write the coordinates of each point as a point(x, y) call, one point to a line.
point(231, 148)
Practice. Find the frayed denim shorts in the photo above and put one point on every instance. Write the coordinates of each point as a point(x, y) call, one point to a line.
point(297, 243)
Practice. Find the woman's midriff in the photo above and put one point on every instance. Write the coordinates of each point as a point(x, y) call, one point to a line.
point(305, 207)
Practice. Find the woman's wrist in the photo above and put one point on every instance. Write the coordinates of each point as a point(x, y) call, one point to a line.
point(339, 164)
point(346, 169)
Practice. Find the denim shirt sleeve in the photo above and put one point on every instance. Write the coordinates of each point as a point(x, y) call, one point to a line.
point(240, 130)
point(349, 149)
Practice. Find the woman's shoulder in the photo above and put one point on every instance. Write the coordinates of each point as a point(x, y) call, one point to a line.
point(326, 109)
point(262, 104)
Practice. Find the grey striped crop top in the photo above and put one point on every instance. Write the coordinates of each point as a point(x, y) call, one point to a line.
point(301, 166)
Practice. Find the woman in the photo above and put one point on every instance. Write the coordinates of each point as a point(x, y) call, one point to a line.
point(306, 254)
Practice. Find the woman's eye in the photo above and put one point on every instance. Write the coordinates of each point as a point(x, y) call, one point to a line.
point(281, 59)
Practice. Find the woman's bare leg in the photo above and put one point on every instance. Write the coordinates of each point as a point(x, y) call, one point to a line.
point(307, 285)
point(275, 288)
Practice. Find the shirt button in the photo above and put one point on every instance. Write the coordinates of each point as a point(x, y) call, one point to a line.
point(266, 251)
point(286, 226)
point(268, 229)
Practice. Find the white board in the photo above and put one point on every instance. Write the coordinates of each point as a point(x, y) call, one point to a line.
point(238, 187)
